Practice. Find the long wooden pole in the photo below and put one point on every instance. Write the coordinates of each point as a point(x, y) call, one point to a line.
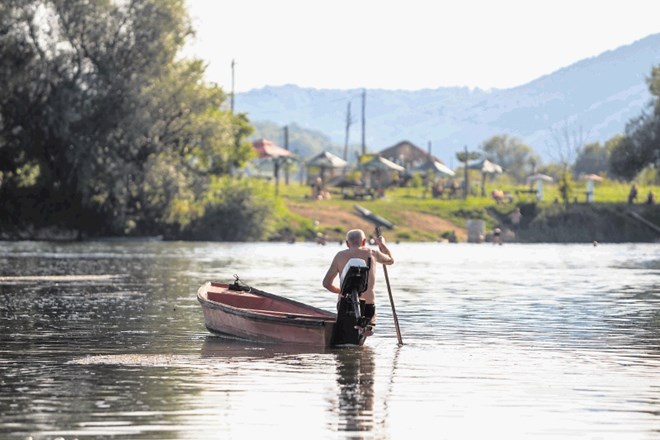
point(389, 291)
point(364, 105)
point(348, 126)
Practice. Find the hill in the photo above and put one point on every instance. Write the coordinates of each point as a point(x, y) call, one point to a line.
point(595, 97)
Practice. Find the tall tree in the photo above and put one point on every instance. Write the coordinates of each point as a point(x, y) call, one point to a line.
point(592, 159)
point(567, 142)
point(640, 147)
point(99, 104)
point(515, 157)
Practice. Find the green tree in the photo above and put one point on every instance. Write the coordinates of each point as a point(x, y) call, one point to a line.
point(97, 102)
point(516, 158)
point(566, 186)
point(640, 147)
point(466, 156)
point(592, 159)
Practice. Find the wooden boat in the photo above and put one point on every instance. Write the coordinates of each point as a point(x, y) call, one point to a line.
point(243, 312)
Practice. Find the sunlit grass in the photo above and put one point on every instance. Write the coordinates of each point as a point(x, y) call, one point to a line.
point(400, 201)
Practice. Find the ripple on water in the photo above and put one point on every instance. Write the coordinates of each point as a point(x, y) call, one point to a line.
point(517, 341)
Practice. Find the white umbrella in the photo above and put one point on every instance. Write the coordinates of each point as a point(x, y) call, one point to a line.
point(486, 167)
point(539, 177)
point(380, 167)
point(326, 160)
point(437, 168)
point(381, 164)
point(591, 178)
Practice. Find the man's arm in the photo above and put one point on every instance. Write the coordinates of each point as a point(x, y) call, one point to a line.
point(383, 255)
point(331, 274)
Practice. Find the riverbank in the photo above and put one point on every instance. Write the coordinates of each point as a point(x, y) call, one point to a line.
point(417, 218)
point(426, 220)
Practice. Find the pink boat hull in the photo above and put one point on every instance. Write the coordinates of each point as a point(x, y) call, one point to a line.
point(263, 317)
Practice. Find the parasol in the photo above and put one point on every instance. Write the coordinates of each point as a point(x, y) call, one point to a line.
point(486, 167)
point(381, 164)
point(436, 167)
point(326, 160)
point(380, 167)
point(590, 178)
point(267, 149)
point(539, 178)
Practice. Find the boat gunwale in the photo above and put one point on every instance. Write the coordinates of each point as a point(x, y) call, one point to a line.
point(253, 314)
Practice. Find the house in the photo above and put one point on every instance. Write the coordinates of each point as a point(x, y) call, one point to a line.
point(407, 154)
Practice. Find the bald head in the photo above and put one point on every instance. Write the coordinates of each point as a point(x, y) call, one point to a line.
point(355, 237)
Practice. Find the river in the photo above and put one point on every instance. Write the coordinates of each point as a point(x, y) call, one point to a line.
point(106, 339)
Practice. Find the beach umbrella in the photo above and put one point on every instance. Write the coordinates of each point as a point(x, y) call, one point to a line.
point(486, 167)
point(436, 167)
point(539, 179)
point(325, 161)
point(269, 150)
point(591, 178)
point(378, 163)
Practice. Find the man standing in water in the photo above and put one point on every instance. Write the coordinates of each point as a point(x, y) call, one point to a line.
point(357, 248)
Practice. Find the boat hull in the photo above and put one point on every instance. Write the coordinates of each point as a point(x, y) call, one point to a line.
point(263, 317)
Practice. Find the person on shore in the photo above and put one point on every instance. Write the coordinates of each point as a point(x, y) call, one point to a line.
point(650, 199)
point(497, 235)
point(515, 218)
point(356, 241)
point(632, 195)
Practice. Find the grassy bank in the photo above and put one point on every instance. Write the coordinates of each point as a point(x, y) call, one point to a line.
point(418, 217)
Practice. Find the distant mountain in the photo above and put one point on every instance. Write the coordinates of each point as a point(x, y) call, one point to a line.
point(596, 97)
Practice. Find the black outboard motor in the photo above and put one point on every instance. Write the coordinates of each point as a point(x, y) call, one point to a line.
point(352, 314)
point(355, 280)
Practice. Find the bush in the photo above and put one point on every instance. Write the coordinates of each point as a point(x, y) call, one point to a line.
point(236, 210)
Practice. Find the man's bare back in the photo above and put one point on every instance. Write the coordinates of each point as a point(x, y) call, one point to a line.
point(356, 242)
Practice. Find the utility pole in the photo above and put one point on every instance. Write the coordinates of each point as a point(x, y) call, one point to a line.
point(234, 128)
point(465, 168)
point(348, 126)
point(232, 86)
point(286, 147)
point(465, 156)
point(364, 106)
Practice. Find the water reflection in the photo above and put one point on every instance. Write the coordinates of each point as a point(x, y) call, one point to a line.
point(355, 372)
point(107, 339)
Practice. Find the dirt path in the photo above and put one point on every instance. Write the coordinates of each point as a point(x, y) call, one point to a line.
point(329, 216)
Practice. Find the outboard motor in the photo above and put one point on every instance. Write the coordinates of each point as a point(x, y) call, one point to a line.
point(354, 282)
point(353, 315)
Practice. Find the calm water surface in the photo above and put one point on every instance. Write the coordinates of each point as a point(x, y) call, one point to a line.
point(106, 340)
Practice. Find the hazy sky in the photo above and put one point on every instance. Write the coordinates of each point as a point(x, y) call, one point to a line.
point(410, 44)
